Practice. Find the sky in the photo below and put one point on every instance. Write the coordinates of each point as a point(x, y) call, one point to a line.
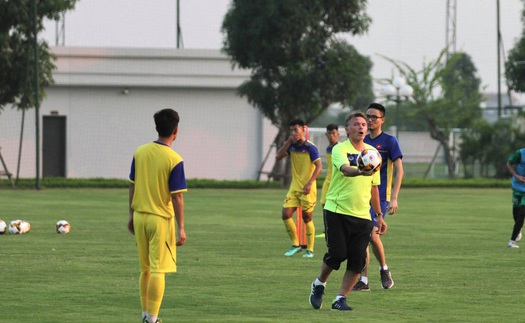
point(410, 31)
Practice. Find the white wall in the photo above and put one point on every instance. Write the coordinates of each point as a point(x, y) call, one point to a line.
point(221, 135)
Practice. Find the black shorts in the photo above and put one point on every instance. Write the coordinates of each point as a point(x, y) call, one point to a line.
point(347, 238)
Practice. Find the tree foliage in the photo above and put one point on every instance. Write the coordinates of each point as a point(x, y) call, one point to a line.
point(482, 149)
point(515, 65)
point(298, 65)
point(17, 57)
point(446, 96)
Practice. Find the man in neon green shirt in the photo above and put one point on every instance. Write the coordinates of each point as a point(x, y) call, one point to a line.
point(348, 225)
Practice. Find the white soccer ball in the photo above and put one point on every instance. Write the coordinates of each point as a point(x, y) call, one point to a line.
point(62, 227)
point(19, 227)
point(369, 160)
point(3, 227)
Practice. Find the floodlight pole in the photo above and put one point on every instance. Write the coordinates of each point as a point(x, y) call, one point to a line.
point(178, 23)
point(499, 59)
point(37, 104)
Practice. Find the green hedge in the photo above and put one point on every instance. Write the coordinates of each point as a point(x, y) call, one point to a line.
point(53, 182)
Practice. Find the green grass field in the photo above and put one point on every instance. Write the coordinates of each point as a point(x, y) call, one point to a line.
point(446, 249)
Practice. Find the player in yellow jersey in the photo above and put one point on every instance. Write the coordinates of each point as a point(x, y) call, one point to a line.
point(332, 134)
point(348, 225)
point(155, 203)
point(306, 166)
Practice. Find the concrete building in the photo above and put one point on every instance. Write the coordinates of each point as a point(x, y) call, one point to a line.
point(102, 104)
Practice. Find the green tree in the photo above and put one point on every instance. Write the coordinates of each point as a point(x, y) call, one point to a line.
point(17, 56)
point(446, 96)
point(487, 146)
point(515, 65)
point(299, 66)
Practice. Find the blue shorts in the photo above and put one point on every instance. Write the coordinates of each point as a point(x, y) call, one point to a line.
point(384, 205)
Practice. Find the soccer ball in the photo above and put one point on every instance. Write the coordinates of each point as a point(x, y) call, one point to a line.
point(19, 227)
point(63, 227)
point(369, 160)
point(3, 227)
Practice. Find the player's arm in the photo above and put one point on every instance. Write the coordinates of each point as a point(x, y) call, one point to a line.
point(350, 171)
point(283, 151)
point(318, 168)
point(376, 206)
point(130, 217)
point(398, 173)
point(178, 206)
point(512, 170)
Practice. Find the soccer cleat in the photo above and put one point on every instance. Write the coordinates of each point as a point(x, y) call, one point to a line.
point(316, 297)
point(308, 254)
point(360, 286)
point(293, 250)
point(386, 279)
point(145, 320)
point(518, 238)
point(340, 305)
point(513, 244)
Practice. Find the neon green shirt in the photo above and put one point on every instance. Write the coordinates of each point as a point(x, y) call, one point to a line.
point(349, 195)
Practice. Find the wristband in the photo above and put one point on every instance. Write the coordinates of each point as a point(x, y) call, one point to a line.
point(379, 214)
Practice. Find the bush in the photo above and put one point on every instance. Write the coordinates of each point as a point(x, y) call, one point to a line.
point(55, 182)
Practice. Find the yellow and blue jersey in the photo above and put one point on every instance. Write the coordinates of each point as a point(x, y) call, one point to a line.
point(349, 195)
point(328, 177)
point(302, 158)
point(388, 147)
point(157, 172)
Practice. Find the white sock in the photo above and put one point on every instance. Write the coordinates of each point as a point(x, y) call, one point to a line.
point(318, 282)
point(338, 297)
point(364, 279)
point(144, 315)
point(385, 267)
point(152, 318)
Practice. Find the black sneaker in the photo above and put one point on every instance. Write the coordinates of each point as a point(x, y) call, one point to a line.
point(360, 286)
point(316, 297)
point(144, 320)
point(341, 305)
point(386, 279)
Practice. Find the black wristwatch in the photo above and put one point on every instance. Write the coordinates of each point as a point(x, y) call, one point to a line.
point(379, 214)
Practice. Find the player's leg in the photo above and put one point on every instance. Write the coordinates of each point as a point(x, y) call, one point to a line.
point(162, 247)
point(332, 259)
point(358, 239)
point(290, 204)
point(308, 204)
point(379, 253)
point(156, 288)
point(518, 214)
point(143, 252)
point(362, 283)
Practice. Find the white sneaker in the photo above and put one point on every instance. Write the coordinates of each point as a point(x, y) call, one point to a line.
point(518, 238)
point(512, 244)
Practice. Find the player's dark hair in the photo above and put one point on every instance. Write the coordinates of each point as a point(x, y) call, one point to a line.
point(294, 122)
point(166, 121)
point(379, 107)
point(331, 126)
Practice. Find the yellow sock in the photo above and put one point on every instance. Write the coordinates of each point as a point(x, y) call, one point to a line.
point(155, 292)
point(310, 235)
point(143, 287)
point(292, 231)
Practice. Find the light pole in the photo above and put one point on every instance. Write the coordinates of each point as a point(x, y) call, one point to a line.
point(397, 91)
